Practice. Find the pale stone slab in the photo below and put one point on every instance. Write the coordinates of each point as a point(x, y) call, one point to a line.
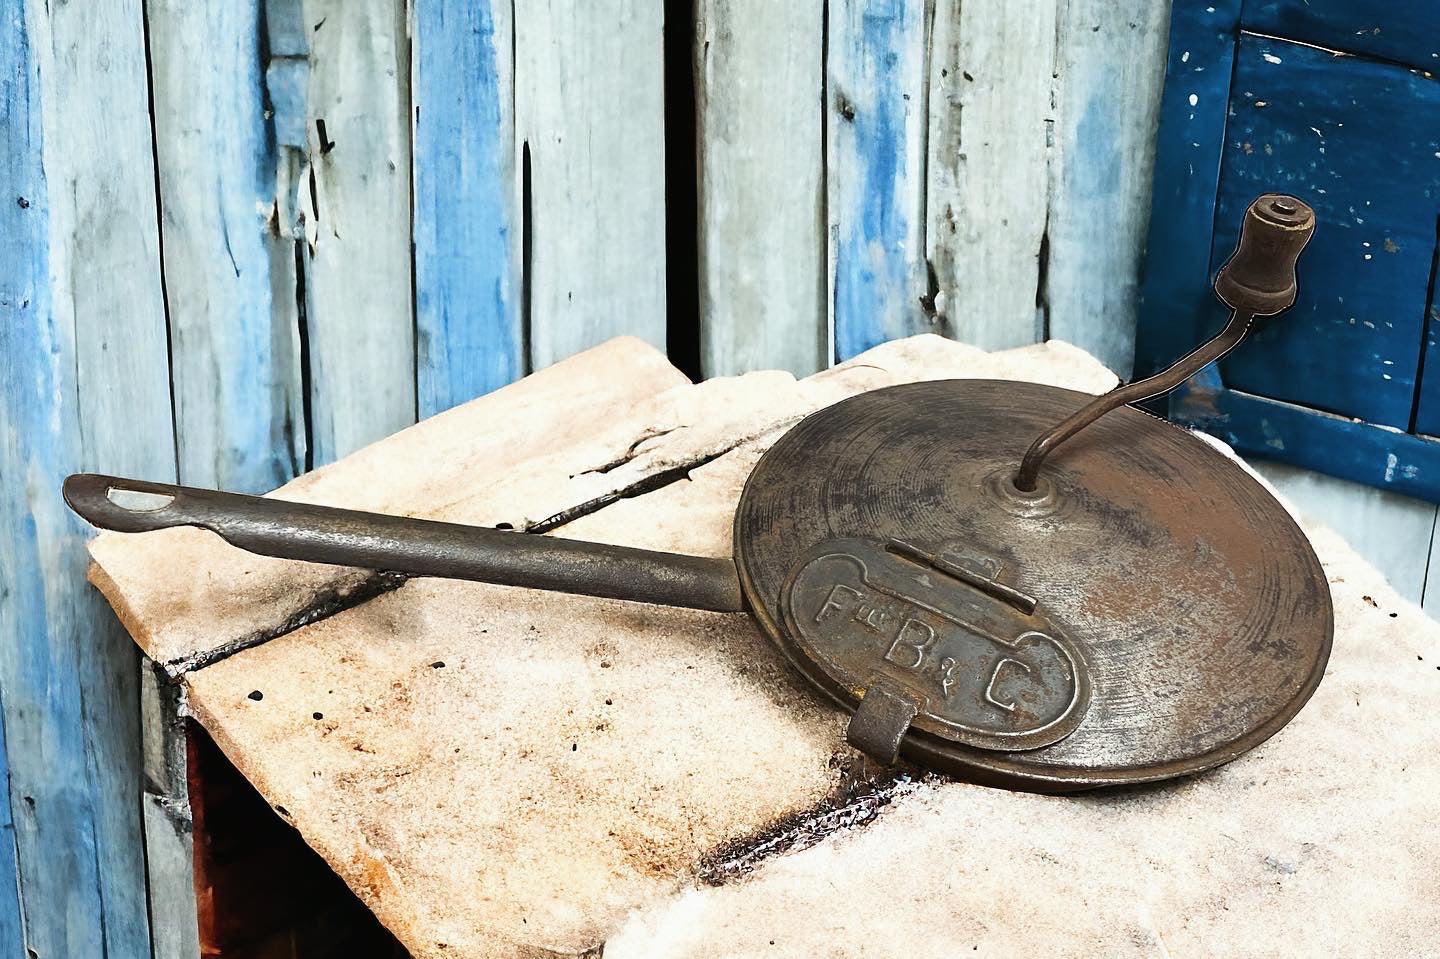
point(504, 772)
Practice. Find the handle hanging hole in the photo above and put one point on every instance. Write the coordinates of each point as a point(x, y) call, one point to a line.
point(137, 501)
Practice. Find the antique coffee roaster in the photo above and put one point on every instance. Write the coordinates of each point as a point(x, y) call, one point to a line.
point(1014, 583)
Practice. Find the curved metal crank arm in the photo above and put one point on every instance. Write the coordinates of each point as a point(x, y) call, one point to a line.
point(420, 547)
point(1259, 280)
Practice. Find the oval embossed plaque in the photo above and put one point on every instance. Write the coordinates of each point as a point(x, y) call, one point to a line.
point(975, 657)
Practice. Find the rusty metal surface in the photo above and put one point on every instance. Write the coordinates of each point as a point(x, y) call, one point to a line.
point(404, 544)
point(1197, 608)
point(993, 671)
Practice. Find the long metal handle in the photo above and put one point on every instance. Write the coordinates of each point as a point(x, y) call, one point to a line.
point(323, 534)
point(1258, 280)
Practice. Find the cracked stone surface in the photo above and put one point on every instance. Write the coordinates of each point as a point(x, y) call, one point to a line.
point(501, 772)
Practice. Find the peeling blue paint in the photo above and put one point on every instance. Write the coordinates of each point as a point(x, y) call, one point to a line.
point(873, 94)
point(1358, 138)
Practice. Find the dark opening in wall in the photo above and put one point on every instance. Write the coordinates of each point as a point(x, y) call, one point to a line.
point(682, 286)
point(261, 892)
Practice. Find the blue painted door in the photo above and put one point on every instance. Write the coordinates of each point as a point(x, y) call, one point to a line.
point(1331, 101)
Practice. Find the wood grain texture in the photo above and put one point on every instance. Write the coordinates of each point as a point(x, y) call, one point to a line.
point(355, 198)
point(169, 852)
point(1314, 125)
point(1338, 445)
point(467, 228)
point(1425, 419)
point(1332, 384)
point(1407, 32)
point(24, 303)
point(83, 315)
point(1110, 65)
point(875, 114)
point(762, 263)
point(229, 274)
point(991, 76)
point(167, 817)
point(989, 169)
point(589, 115)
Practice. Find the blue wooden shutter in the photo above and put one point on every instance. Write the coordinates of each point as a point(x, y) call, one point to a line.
point(1332, 101)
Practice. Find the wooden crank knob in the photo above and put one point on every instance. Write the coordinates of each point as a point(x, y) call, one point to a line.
point(1260, 277)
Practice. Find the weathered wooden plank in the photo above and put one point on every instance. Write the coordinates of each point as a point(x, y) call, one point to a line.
point(1407, 31)
point(876, 120)
point(1305, 121)
point(230, 270)
point(1110, 66)
point(169, 852)
point(589, 115)
point(229, 275)
point(355, 198)
point(168, 823)
point(1176, 308)
point(762, 261)
point(1338, 445)
point(24, 302)
point(1392, 531)
point(468, 331)
point(991, 72)
point(83, 384)
point(12, 925)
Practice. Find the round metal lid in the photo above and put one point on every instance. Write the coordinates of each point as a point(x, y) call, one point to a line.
point(1148, 611)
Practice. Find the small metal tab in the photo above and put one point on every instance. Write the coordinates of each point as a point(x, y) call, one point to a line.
point(880, 721)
